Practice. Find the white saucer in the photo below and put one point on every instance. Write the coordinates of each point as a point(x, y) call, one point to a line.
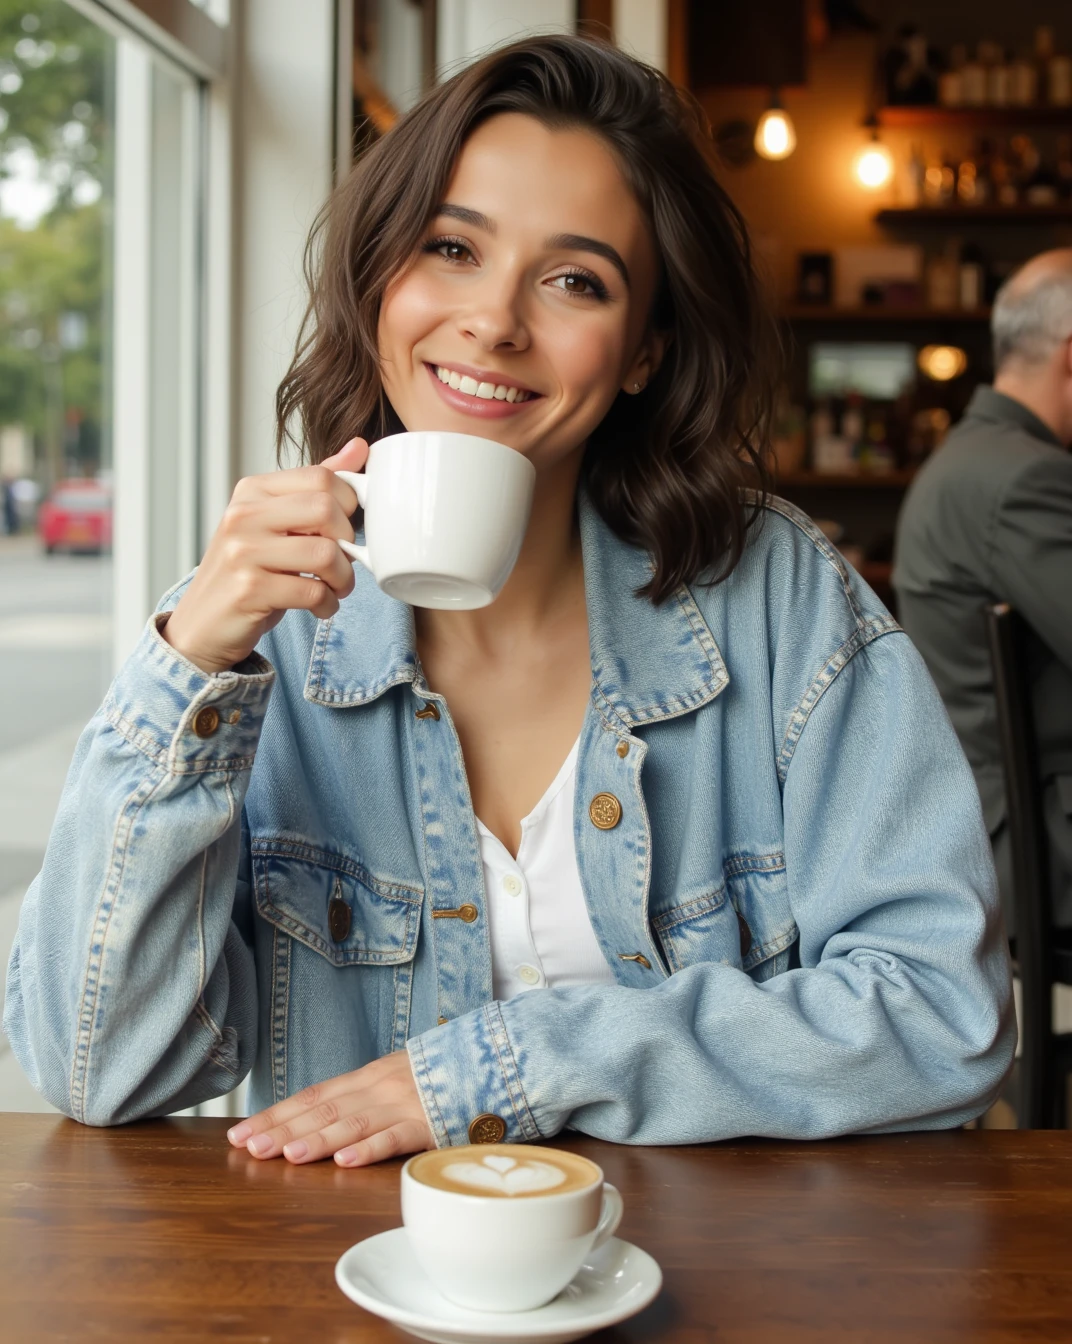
point(381, 1275)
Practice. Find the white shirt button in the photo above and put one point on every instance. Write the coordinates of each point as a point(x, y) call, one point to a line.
point(529, 974)
point(512, 885)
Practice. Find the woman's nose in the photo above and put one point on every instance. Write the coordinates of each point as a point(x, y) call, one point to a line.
point(494, 318)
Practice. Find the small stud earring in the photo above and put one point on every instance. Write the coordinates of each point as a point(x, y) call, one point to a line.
point(636, 387)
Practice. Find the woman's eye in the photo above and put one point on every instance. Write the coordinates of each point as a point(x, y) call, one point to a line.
point(582, 286)
point(454, 251)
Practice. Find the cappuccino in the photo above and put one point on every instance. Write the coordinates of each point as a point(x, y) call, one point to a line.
point(504, 1171)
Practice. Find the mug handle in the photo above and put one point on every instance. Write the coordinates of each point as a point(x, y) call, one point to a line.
point(358, 481)
point(610, 1217)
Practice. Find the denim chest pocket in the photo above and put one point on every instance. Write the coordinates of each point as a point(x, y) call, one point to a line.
point(334, 905)
point(746, 921)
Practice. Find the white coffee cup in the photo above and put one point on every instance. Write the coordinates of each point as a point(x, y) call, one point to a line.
point(493, 1251)
point(445, 516)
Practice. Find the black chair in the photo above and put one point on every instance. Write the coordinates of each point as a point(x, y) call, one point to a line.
point(1043, 953)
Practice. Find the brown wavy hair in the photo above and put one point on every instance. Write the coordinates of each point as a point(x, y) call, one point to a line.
point(669, 469)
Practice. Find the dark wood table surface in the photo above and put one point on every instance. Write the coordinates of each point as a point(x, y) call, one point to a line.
point(160, 1231)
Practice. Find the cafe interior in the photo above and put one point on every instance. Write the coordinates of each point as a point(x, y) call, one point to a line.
point(896, 162)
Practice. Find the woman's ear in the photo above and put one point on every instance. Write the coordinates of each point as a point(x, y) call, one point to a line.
point(646, 364)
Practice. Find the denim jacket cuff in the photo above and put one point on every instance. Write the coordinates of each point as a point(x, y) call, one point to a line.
point(185, 719)
point(465, 1070)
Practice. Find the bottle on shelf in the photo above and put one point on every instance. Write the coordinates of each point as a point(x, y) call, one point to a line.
point(1004, 183)
point(973, 82)
point(951, 81)
point(1045, 50)
point(1023, 83)
point(971, 277)
point(1059, 85)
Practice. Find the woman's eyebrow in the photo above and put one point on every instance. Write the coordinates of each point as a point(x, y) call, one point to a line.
point(571, 242)
point(578, 242)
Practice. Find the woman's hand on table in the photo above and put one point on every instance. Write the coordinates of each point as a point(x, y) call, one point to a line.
point(366, 1116)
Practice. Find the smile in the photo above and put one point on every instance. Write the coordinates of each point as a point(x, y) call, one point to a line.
point(479, 393)
point(462, 382)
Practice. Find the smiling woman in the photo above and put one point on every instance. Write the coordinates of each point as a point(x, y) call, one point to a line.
point(564, 193)
point(670, 842)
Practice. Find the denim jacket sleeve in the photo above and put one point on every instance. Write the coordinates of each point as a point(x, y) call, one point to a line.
point(131, 987)
point(898, 1017)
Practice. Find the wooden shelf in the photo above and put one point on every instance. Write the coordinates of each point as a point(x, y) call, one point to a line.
point(979, 214)
point(981, 118)
point(828, 480)
point(799, 312)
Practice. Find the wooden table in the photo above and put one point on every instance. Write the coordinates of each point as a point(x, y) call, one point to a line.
point(161, 1232)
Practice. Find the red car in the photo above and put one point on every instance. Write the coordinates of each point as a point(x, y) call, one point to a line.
point(77, 516)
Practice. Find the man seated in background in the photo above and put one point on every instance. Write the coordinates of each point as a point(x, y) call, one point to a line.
point(988, 519)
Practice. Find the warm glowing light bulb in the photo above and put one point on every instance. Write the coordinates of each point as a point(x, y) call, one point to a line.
point(942, 362)
point(775, 136)
point(874, 166)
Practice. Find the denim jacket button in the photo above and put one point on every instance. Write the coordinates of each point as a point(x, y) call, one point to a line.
point(487, 1128)
point(338, 921)
point(623, 749)
point(746, 935)
point(206, 721)
point(605, 811)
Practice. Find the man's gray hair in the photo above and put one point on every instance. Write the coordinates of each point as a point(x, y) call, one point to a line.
point(1030, 321)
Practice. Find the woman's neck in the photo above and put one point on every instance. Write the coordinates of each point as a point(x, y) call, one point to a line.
point(547, 578)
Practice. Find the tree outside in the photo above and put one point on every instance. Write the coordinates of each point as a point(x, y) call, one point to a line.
point(56, 100)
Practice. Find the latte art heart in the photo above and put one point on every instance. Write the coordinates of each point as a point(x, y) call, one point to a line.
point(505, 1175)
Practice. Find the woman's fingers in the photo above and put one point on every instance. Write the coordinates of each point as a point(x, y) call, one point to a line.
point(320, 556)
point(313, 480)
point(351, 457)
point(314, 513)
point(407, 1137)
point(349, 1129)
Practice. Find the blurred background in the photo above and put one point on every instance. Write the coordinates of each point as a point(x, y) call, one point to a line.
point(161, 162)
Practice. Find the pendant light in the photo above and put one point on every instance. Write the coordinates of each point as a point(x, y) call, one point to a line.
point(775, 136)
point(873, 166)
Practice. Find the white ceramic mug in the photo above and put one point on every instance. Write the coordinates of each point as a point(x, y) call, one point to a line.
point(445, 516)
point(491, 1253)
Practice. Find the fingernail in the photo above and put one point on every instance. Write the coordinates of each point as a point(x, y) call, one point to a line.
point(260, 1145)
point(240, 1133)
point(296, 1151)
point(346, 1157)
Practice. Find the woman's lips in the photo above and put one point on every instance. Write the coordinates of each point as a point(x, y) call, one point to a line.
point(481, 407)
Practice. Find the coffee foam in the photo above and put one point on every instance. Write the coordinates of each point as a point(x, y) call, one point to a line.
point(504, 1171)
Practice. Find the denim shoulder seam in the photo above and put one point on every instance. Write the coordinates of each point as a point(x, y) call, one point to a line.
point(830, 554)
point(80, 1062)
point(860, 638)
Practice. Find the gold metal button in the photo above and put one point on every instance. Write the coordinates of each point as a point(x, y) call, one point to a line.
point(206, 721)
point(487, 1128)
point(638, 957)
point(429, 711)
point(338, 920)
point(623, 749)
point(605, 811)
point(442, 1021)
point(746, 935)
point(234, 716)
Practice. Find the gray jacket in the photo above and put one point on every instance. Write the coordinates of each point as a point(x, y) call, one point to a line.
point(989, 518)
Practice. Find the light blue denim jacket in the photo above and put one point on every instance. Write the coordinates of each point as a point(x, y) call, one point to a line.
point(797, 902)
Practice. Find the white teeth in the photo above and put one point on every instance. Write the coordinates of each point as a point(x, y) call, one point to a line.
point(486, 391)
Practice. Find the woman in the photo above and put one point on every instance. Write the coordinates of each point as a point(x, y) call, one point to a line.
point(729, 874)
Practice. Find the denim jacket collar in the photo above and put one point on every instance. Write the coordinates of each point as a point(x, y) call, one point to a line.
point(648, 663)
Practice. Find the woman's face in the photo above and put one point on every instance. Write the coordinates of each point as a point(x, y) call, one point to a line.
point(526, 308)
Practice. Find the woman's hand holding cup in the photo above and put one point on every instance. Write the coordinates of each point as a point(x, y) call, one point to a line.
point(276, 548)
